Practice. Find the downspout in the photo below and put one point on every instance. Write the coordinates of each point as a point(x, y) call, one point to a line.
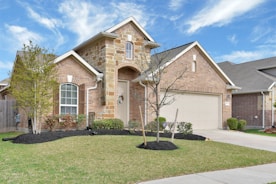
point(140, 82)
point(263, 119)
point(87, 98)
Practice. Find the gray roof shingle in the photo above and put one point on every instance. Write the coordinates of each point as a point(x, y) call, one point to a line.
point(253, 76)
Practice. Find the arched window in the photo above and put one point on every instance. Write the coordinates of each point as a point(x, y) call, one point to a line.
point(68, 99)
point(129, 50)
point(194, 66)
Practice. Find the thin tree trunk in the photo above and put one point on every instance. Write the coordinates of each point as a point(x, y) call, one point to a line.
point(157, 114)
point(174, 124)
point(143, 129)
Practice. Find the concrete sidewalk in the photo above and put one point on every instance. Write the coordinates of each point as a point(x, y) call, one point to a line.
point(253, 175)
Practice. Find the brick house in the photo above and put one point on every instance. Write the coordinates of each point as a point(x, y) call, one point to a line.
point(254, 102)
point(203, 95)
point(99, 78)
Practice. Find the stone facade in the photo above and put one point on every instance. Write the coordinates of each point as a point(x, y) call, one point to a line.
point(108, 55)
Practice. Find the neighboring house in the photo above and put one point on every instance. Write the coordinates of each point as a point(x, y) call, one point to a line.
point(254, 101)
point(99, 78)
point(4, 84)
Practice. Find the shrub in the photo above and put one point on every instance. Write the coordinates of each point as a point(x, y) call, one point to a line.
point(133, 124)
point(80, 118)
point(185, 128)
point(161, 120)
point(152, 126)
point(241, 124)
point(108, 124)
point(51, 122)
point(232, 123)
point(67, 120)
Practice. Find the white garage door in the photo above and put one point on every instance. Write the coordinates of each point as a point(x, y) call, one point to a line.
point(203, 111)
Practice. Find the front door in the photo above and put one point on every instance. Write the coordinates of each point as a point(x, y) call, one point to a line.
point(123, 101)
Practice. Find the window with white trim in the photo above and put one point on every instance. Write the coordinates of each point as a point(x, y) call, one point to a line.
point(68, 99)
point(129, 50)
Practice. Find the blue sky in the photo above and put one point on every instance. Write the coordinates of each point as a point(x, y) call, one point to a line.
point(233, 30)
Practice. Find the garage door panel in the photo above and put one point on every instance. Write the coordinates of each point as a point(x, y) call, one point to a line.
point(203, 111)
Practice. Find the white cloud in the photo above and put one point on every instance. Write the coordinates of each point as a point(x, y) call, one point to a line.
point(219, 13)
point(50, 23)
point(232, 39)
point(47, 22)
point(260, 32)
point(263, 51)
point(176, 4)
point(127, 9)
point(87, 19)
point(240, 56)
point(22, 35)
point(6, 65)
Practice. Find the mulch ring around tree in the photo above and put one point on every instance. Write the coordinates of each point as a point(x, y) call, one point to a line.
point(30, 138)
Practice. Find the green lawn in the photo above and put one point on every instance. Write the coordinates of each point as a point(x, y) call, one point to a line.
point(115, 159)
point(259, 132)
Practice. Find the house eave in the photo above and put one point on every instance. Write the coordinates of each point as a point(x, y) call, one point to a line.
point(5, 88)
point(230, 87)
point(96, 37)
point(250, 91)
point(151, 44)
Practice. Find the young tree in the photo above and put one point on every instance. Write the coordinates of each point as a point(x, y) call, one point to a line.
point(33, 83)
point(155, 80)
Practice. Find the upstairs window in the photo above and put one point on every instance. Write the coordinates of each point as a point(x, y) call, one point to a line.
point(129, 50)
point(68, 99)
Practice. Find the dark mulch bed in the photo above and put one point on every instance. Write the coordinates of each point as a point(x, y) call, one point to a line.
point(51, 136)
point(161, 145)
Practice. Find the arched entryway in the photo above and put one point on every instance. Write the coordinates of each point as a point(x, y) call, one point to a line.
point(130, 95)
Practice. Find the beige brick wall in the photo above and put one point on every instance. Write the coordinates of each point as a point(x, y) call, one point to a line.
point(205, 80)
point(70, 66)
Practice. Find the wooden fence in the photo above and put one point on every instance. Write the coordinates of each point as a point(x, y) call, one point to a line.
point(7, 114)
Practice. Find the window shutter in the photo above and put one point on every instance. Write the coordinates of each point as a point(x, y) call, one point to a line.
point(56, 102)
point(81, 98)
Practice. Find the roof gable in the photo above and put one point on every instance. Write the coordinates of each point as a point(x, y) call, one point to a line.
point(126, 21)
point(81, 60)
point(175, 53)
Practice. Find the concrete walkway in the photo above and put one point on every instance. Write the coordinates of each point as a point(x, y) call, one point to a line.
point(253, 175)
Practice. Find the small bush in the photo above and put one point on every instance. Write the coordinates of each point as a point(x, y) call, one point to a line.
point(241, 124)
point(133, 124)
point(232, 123)
point(152, 126)
point(51, 122)
point(185, 128)
point(108, 124)
point(161, 120)
point(67, 121)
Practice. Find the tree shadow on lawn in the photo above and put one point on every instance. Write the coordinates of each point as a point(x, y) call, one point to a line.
point(30, 138)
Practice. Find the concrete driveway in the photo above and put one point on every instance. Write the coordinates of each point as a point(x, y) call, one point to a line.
point(239, 138)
